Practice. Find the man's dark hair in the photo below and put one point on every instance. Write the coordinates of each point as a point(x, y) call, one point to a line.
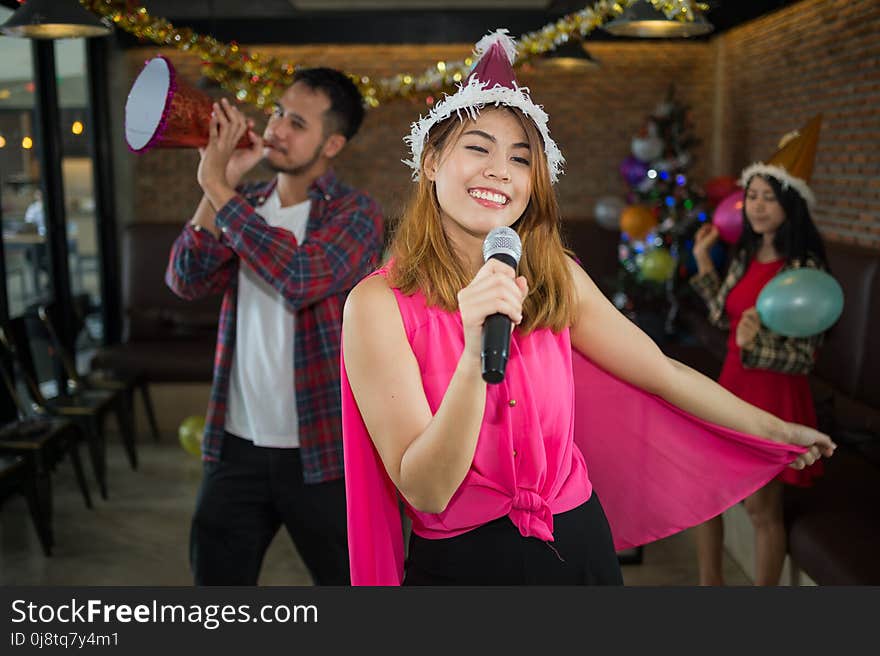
point(346, 111)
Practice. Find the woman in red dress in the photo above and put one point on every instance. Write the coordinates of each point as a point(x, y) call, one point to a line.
point(762, 367)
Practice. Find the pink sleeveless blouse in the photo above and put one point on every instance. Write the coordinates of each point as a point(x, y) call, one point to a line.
point(657, 470)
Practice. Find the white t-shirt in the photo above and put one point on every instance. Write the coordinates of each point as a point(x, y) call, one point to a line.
point(262, 398)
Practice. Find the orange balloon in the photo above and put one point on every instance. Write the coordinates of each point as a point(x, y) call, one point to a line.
point(637, 221)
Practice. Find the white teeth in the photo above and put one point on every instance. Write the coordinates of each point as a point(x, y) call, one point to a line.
point(487, 195)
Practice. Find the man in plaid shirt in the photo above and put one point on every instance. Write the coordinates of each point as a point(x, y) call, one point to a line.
point(284, 254)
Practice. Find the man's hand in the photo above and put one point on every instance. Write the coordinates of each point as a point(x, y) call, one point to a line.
point(747, 328)
point(222, 165)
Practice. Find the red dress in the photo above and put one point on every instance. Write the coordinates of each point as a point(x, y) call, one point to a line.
point(787, 396)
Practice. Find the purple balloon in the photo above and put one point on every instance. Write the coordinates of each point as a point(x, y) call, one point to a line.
point(633, 170)
point(728, 217)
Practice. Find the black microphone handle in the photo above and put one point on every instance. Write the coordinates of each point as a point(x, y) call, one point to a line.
point(504, 257)
point(496, 336)
point(496, 347)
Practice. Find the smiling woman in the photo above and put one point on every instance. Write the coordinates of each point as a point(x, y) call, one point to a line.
point(494, 477)
point(762, 366)
point(480, 174)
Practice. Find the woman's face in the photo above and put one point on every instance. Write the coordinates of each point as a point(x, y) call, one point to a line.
point(483, 180)
point(763, 211)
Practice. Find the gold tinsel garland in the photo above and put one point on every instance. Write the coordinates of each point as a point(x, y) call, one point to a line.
point(259, 80)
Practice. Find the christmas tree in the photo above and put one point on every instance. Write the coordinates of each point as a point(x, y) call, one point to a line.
point(665, 206)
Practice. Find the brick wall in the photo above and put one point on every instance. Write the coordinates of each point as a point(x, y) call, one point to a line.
point(745, 89)
point(593, 117)
point(817, 56)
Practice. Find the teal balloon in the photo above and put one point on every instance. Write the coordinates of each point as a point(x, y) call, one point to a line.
point(800, 303)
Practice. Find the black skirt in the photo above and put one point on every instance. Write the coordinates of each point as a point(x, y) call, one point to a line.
point(582, 553)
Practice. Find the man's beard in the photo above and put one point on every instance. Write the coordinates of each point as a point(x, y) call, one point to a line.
point(296, 170)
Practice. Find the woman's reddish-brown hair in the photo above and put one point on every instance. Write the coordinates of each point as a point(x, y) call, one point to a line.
point(424, 259)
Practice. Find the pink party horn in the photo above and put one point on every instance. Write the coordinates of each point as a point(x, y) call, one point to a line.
point(162, 111)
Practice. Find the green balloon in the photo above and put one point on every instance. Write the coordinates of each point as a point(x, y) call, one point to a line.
point(800, 302)
point(657, 265)
point(190, 434)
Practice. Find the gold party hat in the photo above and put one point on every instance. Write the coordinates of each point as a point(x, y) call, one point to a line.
point(792, 163)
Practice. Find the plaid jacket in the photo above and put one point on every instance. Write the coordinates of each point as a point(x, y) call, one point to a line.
point(344, 236)
point(789, 355)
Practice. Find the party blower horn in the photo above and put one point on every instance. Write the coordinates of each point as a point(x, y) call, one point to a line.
point(162, 111)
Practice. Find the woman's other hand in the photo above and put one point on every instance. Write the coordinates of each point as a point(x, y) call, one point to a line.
point(747, 328)
point(818, 444)
point(704, 239)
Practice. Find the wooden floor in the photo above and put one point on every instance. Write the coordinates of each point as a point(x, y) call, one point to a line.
point(140, 535)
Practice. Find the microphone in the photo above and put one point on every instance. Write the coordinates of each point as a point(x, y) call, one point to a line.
point(502, 244)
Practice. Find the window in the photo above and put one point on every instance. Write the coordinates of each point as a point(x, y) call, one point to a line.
point(28, 275)
point(78, 177)
point(30, 280)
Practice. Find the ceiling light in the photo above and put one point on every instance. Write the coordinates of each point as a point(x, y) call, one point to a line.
point(570, 56)
point(53, 19)
point(643, 20)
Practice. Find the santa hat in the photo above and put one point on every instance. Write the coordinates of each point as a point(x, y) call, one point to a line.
point(491, 82)
point(792, 163)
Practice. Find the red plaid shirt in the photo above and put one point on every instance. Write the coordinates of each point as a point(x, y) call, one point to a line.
point(343, 243)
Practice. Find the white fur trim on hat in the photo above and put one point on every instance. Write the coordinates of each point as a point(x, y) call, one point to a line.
point(472, 97)
point(498, 36)
point(785, 178)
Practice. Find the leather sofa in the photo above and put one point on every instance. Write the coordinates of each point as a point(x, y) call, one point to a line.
point(167, 339)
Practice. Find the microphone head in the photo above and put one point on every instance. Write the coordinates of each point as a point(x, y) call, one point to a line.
point(502, 241)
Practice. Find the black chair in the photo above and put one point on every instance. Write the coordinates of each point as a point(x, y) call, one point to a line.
point(16, 479)
point(88, 409)
point(41, 441)
point(125, 384)
point(40, 444)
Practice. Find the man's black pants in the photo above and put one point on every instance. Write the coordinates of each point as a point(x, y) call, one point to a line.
point(246, 497)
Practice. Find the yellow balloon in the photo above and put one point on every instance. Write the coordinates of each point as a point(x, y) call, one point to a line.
point(190, 434)
point(657, 265)
point(637, 221)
